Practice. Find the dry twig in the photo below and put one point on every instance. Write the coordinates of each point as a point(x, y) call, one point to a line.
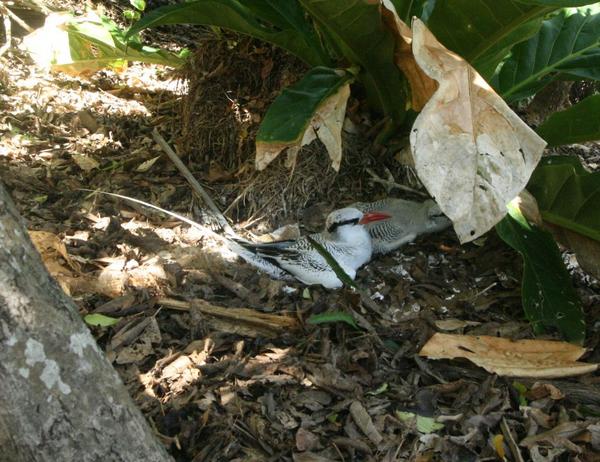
point(7, 29)
point(193, 182)
point(377, 179)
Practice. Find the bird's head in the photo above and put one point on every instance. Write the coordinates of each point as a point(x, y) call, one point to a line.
point(347, 218)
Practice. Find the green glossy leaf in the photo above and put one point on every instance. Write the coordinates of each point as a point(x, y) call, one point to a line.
point(576, 124)
point(355, 28)
point(282, 25)
point(139, 5)
point(332, 262)
point(567, 195)
point(567, 43)
point(132, 15)
point(289, 115)
point(406, 9)
point(90, 43)
point(332, 317)
point(484, 31)
point(586, 66)
point(101, 320)
point(549, 299)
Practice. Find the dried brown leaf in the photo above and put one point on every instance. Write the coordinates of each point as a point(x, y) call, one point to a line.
point(471, 151)
point(326, 124)
point(520, 358)
point(558, 436)
point(529, 207)
point(306, 440)
point(364, 422)
point(421, 85)
point(587, 250)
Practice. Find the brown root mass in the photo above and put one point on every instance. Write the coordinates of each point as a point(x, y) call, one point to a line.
point(232, 82)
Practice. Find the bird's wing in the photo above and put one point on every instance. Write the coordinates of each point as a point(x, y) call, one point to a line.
point(284, 252)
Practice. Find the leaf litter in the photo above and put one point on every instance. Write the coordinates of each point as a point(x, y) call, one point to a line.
point(228, 374)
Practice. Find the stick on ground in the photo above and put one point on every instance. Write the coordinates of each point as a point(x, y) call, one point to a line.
point(197, 187)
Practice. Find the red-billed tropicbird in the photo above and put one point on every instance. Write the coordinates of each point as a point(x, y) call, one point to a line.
point(408, 219)
point(345, 238)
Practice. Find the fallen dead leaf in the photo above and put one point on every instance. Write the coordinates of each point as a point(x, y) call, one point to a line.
point(520, 358)
point(471, 151)
point(58, 262)
point(454, 324)
point(543, 390)
point(306, 440)
point(85, 162)
point(286, 232)
point(364, 422)
point(51, 247)
point(558, 436)
point(146, 165)
point(587, 250)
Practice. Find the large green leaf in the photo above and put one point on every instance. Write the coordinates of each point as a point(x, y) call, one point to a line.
point(87, 43)
point(289, 118)
point(289, 115)
point(576, 124)
point(567, 43)
point(357, 30)
point(282, 25)
point(484, 31)
point(406, 9)
point(549, 299)
point(567, 195)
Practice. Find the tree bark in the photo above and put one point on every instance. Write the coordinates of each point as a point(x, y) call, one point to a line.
point(60, 398)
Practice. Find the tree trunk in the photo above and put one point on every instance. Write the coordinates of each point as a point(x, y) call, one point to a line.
point(60, 399)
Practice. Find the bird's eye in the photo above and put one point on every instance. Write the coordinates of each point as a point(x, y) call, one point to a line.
point(334, 226)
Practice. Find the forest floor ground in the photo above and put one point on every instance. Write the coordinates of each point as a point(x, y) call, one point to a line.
point(220, 358)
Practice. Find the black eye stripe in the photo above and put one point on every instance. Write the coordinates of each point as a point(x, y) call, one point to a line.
point(333, 227)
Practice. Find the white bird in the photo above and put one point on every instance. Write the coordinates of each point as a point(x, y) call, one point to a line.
point(345, 238)
point(408, 219)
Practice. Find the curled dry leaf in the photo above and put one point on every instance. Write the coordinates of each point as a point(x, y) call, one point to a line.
point(557, 436)
point(326, 125)
point(421, 85)
point(587, 250)
point(59, 264)
point(529, 207)
point(51, 248)
point(471, 151)
point(85, 162)
point(520, 358)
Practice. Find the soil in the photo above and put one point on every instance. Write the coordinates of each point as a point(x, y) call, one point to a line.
point(222, 360)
